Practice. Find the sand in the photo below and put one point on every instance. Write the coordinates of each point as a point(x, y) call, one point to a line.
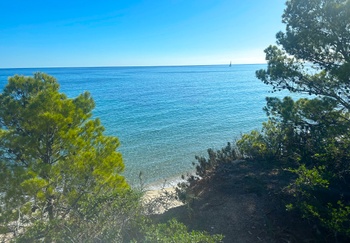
point(161, 200)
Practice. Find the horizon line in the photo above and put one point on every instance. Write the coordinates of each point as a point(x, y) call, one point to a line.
point(111, 66)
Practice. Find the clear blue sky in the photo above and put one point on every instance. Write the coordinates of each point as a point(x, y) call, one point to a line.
point(62, 33)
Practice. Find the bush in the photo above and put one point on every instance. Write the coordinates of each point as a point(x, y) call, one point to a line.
point(174, 232)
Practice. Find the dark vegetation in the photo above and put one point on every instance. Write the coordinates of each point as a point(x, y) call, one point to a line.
point(60, 175)
point(245, 200)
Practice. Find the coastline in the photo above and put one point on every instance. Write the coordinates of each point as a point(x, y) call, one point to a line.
point(162, 130)
point(160, 196)
point(161, 200)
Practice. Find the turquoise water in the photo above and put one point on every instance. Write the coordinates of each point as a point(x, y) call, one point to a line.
point(164, 116)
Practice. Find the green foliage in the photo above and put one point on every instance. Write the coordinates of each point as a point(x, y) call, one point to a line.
point(317, 32)
point(203, 167)
point(311, 135)
point(53, 157)
point(339, 218)
point(310, 178)
point(173, 232)
point(252, 145)
point(104, 219)
point(225, 155)
point(295, 129)
point(264, 146)
point(60, 175)
point(317, 200)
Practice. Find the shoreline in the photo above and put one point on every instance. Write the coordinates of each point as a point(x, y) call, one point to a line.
point(161, 200)
point(160, 196)
point(160, 184)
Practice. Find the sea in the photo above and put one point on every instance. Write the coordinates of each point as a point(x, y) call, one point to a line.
point(165, 116)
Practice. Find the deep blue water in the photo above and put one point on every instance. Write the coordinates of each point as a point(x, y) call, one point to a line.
point(164, 116)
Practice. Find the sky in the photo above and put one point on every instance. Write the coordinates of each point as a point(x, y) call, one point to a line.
point(88, 33)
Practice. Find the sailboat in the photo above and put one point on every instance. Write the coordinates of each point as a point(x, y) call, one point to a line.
point(230, 64)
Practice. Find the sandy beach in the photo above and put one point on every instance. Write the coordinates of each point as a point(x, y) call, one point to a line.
point(160, 200)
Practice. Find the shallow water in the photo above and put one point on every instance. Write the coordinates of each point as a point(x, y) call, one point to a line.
point(164, 116)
